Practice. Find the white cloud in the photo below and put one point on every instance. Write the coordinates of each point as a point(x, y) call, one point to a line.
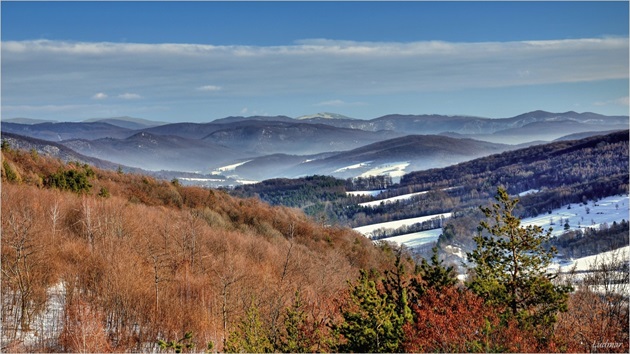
point(332, 103)
point(100, 96)
point(129, 96)
point(338, 103)
point(45, 71)
point(622, 101)
point(209, 88)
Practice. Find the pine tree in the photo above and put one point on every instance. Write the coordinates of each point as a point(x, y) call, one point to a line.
point(296, 337)
point(511, 264)
point(251, 335)
point(435, 274)
point(369, 325)
point(397, 284)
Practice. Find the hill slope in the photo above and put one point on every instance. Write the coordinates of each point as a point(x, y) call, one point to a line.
point(297, 138)
point(64, 131)
point(414, 151)
point(134, 251)
point(158, 152)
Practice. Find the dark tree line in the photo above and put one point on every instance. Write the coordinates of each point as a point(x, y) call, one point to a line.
point(589, 241)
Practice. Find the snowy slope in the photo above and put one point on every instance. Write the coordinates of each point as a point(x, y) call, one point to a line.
point(368, 229)
point(415, 239)
point(585, 263)
point(592, 215)
point(603, 211)
point(376, 203)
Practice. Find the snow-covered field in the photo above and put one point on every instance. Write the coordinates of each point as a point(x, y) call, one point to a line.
point(592, 214)
point(531, 191)
point(200, 179)
point(415, 239)
point(353, 167)
point(586, 263)
point(395, 169)
point(246, 181)
point(606, 210)
point(231, 167)
point(376, 203)
point(368, 229)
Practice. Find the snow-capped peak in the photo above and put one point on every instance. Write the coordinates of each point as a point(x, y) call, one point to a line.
point(324, 115)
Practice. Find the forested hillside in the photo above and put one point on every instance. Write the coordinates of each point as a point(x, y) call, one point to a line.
point(100, 261)
point(562, 172)
point(145, 259)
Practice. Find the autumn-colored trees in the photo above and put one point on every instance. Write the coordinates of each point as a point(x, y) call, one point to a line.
point(156, 261)
point(186, 266)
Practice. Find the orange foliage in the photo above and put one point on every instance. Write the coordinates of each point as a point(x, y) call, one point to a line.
point(456, 320)
point(154, 260)
point(592, 325)
point(84, 331)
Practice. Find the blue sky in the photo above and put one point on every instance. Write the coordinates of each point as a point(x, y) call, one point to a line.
point(199, 61)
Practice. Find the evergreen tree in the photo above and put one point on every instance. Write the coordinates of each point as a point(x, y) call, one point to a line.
point(251, 335)
point(396, 285)
point(510, 269)
point(178, 345)
point(435, 274)
point(296, 337)
point(369, 325)
point(396, 291)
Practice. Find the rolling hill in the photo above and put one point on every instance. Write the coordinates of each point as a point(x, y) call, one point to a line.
point(415, 152)
point(158, 152)
point(67, 130)
point(296, 138)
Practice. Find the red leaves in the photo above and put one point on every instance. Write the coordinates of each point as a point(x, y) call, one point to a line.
point(456, 320)
point(453, 320)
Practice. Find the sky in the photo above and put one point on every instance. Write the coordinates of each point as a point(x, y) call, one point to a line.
point(200, 61)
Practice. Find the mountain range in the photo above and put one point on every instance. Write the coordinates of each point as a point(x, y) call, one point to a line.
point(262, 147)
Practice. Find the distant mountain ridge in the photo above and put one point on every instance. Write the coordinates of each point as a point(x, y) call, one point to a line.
point(281, 146)
point(58, 131)
point(127, 122)
point(323, 115)
point(158, 152)
point(29, 121)
point(297, 138)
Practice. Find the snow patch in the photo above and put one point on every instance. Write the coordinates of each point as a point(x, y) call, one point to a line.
point(231, 167)
point(376, 203)
point(531, 191)
point(396, 169)
point(415, 239)
point(581, 216)
point(456, 251)
point(200, 179)
point(586, 263)
point(368, 229)
point(246, 181)
point(353, 167)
